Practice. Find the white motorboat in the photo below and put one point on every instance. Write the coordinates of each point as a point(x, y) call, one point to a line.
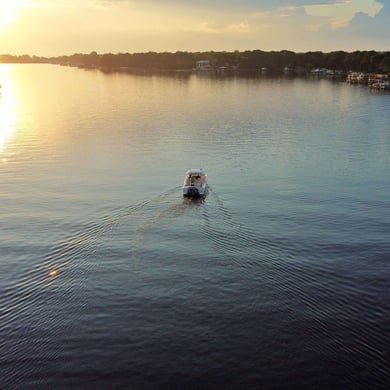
point(195, 183)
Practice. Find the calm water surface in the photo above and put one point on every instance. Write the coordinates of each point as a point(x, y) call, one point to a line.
point(280, 278)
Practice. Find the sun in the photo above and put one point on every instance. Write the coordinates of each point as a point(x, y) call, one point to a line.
point(9, 10)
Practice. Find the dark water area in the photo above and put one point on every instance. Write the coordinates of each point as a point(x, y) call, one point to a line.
point(279, 278)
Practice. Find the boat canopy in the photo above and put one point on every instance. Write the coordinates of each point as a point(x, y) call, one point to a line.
point(196, 171)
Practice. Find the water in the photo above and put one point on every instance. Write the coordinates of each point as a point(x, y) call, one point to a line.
point(280, 278)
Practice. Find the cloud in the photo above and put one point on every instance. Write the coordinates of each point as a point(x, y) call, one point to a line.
point(214, 28)
point(377, 26)
point(299, 25)
point(227, 4)
point(67, 26)
point(362, 32)
point(342, 13)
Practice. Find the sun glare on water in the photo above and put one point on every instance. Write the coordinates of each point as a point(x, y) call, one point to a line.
point(9, 10)
point(8, 108)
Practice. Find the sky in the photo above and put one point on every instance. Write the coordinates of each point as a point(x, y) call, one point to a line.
point(57, 27)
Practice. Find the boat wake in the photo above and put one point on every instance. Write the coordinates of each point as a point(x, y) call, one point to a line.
point(227, 235)
point(75, 254)
point(126, 236)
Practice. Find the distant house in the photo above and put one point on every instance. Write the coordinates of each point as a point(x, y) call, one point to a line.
point(203, 65)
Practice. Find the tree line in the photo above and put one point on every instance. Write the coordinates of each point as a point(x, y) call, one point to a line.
point(250, 60)
point(22, 59)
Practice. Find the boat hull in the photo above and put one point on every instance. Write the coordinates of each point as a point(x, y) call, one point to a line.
point(194, 192)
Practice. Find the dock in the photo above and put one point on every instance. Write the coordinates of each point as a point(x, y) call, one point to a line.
point(380, 82)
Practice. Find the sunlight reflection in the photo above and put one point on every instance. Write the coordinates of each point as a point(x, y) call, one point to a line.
point(8, 107)
point(53, 273)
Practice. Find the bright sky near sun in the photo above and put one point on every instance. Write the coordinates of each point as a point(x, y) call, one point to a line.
point(55, 27)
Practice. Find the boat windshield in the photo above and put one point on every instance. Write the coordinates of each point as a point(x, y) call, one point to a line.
point(194, 180)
